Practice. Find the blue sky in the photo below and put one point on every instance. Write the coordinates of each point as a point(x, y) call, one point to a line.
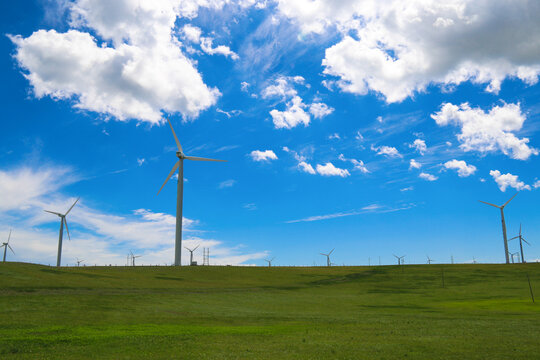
point(370, 128)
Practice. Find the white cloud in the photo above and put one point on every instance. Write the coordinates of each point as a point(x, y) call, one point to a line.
point(461, 166)
point(487, 131)
point(413, 164)
point(227, 184)
point(305, 167)
point(244, 86)
point(419, 145)
point(373, 208)
point(141, 161)
point(329, 169)
point(320, 110)
point(358, 164)
point(508, 180)
point(410, 188)
point(192, 33)
point(427, 176)
point(295, 113)
point(292, 116)
point(334, 136)
point(387, 151)
point(207, 47)
point(397, 48)
point(266, 155)
point(142, 73)
point(536, 184)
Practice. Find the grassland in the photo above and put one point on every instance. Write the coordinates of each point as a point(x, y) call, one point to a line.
point(483, 312)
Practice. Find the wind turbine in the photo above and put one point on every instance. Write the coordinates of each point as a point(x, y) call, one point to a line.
point(399, 259)
point(521, 240)
point(512, 256)
point(269, 261)
point(6, 245)
point(62, 221)
point(79, 262)
point(191, 254)
point(429, 260)
point(503, 224)
point(179, 193)
point(133, 257)
point(328, 263)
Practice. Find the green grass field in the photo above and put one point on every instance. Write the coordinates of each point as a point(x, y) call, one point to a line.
point(387, 312)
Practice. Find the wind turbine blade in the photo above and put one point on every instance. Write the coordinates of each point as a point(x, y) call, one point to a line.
point(497, 206)
point(525, 241)
point(272, 259)
point(67, 229)
point(331, 251)
point(395, 256)
point(202, 159)
point(175, 138)
point(323, 254)
point(73, 205)
point(9, 236)
point(14, 251)
point(170, 174)
point(515, 237)
point(519, 228)
point(506, 203)
point(52, 212)
point(196, 247)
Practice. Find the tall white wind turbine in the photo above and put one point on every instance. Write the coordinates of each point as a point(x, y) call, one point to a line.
point(6, 246)
point(269, 261)
point(328, 263)
point(505, 239)
point(179, 194)
point(61, 235)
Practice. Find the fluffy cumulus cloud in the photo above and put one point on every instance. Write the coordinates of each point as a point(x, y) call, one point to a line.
point(305, 167)
point(329, 169)
point(120, 59)
point(295, 112)
point(487, 131)
point(388, 151)
point(427, 176)
point(508, 180)
point(462, 168)
point(103, 237)
point(267, 155)
point(193, 34)
point(397, 48)
point(419, 145)
point(413, 164)
point(358, 164)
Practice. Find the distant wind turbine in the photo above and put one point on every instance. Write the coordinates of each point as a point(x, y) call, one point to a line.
point(399, 259)
point(269, 261)
point(133, 257)
point(179, 193)
point(60, 236)
point(514, 254)
point(521, 240)
point(429, 260)
point(328, 263)
point(503, 224)
point(191, 254)
point(6, 246)
point(79, 261)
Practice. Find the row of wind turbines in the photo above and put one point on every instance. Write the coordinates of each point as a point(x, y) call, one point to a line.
point(179, 166)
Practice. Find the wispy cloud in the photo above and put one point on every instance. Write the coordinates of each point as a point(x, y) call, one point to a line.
point(373, 208)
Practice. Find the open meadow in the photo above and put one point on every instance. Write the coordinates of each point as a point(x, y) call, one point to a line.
point(378, 312)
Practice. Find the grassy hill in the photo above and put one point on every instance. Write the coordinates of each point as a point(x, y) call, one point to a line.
point(378, 312)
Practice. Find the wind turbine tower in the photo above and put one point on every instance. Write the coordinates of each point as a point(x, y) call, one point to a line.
point(399, 259)
point(521, 240)
point(62, 222)
point(503, 224)
point(133, 257)
point(328, 263)
point(191, 255)
point(6, 246)
point(179, 193)
point(269, 261)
